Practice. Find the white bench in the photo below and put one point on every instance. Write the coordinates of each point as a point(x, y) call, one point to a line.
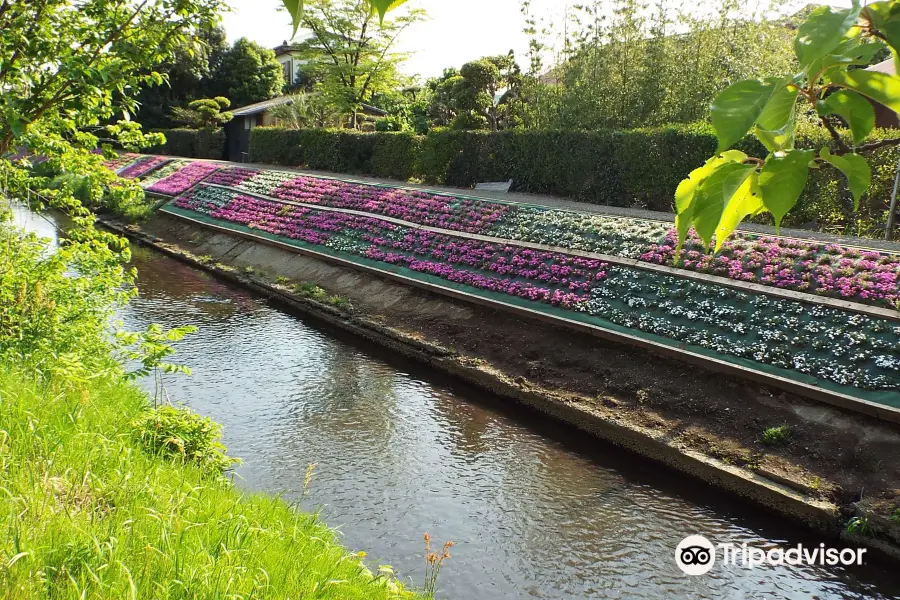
point(497, 186)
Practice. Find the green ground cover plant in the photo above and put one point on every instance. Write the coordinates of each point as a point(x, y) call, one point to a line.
point(91, 513)
point(106, 496)
point(776, 436)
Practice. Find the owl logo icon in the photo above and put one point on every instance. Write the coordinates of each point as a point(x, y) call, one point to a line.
point(695, 555)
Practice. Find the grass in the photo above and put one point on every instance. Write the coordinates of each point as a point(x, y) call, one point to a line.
point(314, 292)
point(776, 436)
point(859, 525)
point(896, 515)
point(85, 513)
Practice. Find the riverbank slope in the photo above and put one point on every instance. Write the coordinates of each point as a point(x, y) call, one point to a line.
point(835, 465)
point(107, 497)
point(92, 515)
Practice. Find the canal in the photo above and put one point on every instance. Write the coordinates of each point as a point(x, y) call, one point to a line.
point(536, 511)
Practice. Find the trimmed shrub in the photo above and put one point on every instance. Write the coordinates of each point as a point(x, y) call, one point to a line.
point(193, 143)
point(638, 168)
point(274, 146)
point(396, 155)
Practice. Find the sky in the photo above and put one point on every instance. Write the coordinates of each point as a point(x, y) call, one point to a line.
point(457, 31)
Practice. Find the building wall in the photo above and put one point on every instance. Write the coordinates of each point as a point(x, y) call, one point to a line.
point(885, 117)
point(291, 63)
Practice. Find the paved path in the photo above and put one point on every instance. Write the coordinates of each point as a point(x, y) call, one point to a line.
point(566, 204)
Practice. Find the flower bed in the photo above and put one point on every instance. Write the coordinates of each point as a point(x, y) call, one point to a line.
point(628, 238)
point(232, 176)
point(120, 161)
point(163, 172)
point(828, 270)
point(264, 182)
point(833, 345)
point(143, 166)
point(825, 269)
point(183, 179)
point(446, 212)
point(549, 277)
point(829, 345)
point(435, 210)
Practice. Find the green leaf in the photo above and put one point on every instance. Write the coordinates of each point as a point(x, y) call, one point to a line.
point(854, 109)
point(880, 87)
point(687, 190)
point(18, 127)
point(885, 17)
point(775, 141)
point(736, 109)
point(782, 180)
point(383, 6)
point(852, 51)
point(714, 193)
point(824, 31)
point(855, 168)
point(295, 8)
point(779, 110)
point(775, 124)
point(745, 202)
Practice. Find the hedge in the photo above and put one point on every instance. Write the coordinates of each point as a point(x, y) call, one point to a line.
point(193, 143)
point(637, 168)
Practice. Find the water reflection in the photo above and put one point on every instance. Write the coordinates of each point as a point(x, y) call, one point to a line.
point(398, 455)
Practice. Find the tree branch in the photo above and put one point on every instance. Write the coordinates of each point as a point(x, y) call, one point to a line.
point(843, 148)
point(878, 144)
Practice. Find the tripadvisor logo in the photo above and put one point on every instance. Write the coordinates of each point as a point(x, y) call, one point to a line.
point(696, 555)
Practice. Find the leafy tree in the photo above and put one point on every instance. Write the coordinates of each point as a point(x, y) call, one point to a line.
point(204, 113)
point(188, 76)
point(443, 92)
point(65, 66)
point(247, 73)
point(66, 69)
point(640, 65)
point(830, 46)
point(408, 108)
point(296, 9)
point(351, 53)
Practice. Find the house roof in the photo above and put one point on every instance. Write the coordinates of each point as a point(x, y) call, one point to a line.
point(373, 110)
point(261, 107)
point(288, 47)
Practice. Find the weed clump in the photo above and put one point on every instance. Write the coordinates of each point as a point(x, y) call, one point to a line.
point(776, 436)
point(179, 433)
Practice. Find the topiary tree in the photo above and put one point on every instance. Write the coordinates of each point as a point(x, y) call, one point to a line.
point(471, 98)
point(204, 113)
point(831, 46)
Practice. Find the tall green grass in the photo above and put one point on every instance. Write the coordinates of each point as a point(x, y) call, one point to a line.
point(85, 513)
